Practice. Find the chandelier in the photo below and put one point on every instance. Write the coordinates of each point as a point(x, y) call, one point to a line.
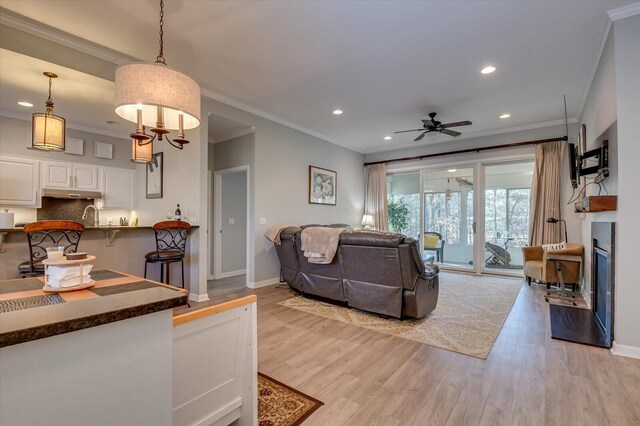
point(47, 129)
point(156, 97)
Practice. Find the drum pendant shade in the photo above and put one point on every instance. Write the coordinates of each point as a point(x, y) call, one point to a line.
point(148, 86)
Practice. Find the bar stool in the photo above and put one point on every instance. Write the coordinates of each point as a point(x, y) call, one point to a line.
point(171, 240)
point(48, 233)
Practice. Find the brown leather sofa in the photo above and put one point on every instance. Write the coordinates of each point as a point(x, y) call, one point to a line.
point(372, 271)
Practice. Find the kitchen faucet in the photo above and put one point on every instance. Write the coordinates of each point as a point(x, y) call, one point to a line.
point(96, 221)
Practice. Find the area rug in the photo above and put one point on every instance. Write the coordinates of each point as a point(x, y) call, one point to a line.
point(470, 313)
point(281, 405)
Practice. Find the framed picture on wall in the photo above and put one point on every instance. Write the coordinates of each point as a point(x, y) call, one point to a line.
point(323, 186)
point(154, 176)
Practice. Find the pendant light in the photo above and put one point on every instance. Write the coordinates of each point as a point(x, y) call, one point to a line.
point(47, 129)
point(141, 152)
point(156, 97)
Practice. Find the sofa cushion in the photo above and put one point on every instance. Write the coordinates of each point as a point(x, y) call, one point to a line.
point(371, 238)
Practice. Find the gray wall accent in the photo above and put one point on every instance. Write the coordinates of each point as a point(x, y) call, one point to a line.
point(280, 182)
point(234, 152)
point(627, 64)
point(234, 236)
point(15, 137)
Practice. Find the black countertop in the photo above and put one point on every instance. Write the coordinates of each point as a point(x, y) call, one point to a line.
point(29, 313)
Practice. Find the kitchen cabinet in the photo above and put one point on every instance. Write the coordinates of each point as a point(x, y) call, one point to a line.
point(119, 188)
point(19, 181)
point(70, 176)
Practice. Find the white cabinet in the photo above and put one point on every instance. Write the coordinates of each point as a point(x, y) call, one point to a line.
point(119, 188)
point(68, 175)
point(19, 181)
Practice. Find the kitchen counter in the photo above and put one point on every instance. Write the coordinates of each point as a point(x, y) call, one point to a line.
point(101, 228)
point(28, 313)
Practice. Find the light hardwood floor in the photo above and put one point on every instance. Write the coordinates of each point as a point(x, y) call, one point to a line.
point(369, 378)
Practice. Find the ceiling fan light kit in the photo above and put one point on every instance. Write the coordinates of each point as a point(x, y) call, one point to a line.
point(48, 129)
point(157, 97)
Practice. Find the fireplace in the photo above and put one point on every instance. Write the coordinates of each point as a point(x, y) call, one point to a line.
point(603, 276)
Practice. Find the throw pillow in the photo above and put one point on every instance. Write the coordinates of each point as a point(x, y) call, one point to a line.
point(431, 241)
point(561, 246)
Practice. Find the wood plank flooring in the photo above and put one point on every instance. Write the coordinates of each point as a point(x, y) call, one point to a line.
point(369, 378)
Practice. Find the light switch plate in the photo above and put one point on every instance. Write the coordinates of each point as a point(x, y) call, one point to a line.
point(232, 221)
point(263, 221)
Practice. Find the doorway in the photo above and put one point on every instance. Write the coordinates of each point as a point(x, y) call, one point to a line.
point(231, 222)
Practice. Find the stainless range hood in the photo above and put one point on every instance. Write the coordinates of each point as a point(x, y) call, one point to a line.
point(72, 194)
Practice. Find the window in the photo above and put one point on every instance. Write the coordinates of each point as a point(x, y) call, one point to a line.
point(442, 214)
point(507, 216)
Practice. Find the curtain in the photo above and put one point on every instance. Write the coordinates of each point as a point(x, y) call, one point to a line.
point(545, 194)
point(376, 195)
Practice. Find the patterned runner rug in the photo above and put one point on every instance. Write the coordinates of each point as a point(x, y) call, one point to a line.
point(470, 313)
point(281, 405)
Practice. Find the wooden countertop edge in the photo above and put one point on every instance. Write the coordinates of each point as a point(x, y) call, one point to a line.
point(213, 310)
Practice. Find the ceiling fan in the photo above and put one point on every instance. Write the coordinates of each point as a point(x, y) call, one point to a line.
point(431, 125)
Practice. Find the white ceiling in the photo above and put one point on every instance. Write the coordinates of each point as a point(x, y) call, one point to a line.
point(387, 64)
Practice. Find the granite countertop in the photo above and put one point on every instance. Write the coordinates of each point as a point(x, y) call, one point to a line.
point(29, 313)
point(101, 227)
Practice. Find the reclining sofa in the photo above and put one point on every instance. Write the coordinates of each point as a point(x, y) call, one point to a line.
point(372, 271)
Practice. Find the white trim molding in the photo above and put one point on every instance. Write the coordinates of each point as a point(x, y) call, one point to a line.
point(625, 350)
point(231, 274)
point(263, 283)
point(198, 297)
point(624, 11)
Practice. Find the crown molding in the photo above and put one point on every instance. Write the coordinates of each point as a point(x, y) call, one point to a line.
point(38, 29)
point(476, 135)
point(69, 125)
point(624, 11)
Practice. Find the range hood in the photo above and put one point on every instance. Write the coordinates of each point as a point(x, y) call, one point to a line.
point(72, 194)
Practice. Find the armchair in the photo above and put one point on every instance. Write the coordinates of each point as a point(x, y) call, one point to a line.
point(538, 266)
point(433, 241)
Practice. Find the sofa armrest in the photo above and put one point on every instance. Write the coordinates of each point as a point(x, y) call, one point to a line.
point(532, 253)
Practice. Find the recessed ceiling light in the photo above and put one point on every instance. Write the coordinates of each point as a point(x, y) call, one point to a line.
point(387, 138)
point(337, 111)
point(113, 122)
point(505, 116)
point(488, 70)
point(25, 104)
point(452, 170)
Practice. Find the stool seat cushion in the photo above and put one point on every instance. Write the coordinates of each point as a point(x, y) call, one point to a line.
point(25, 267)
point(164, 256)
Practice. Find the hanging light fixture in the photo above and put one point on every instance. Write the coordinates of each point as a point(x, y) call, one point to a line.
point(47, 129)
point(157, 97)
point(141, 152)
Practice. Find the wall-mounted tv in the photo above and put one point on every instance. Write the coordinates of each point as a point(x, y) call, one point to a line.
point(573, 165)
point(599, 165)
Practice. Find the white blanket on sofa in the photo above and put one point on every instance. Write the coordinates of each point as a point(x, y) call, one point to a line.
point(320, 244)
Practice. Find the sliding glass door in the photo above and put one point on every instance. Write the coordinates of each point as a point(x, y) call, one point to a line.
point(441, 208)
point(448, 217)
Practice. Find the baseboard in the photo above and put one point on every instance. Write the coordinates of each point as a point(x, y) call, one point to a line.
point(626, 351)
point(231, 274)
point(263, 283)
point(198, 297)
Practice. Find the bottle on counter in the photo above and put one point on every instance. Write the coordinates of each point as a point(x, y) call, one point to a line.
point(178, 213)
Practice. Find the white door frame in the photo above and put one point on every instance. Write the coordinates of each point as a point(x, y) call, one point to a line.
point(217, 218)
point(210, 261)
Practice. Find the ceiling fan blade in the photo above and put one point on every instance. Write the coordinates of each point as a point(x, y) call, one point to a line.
point(420, 137)
point(414, 130)
point(428, 123)
point(456, 124)
point(450, 132)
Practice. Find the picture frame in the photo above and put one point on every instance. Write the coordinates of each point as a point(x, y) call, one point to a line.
point(154, 176)
point(323, 186)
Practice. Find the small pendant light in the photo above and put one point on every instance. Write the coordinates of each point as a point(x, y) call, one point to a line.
point(47, 129)
point(141, 152)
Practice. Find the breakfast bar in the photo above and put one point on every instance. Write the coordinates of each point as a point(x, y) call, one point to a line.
point(106, 351)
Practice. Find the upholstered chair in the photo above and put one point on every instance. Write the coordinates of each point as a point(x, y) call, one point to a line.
point(538, 267)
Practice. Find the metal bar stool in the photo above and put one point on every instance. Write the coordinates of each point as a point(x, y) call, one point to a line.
point(171, 240)
point(48, 233)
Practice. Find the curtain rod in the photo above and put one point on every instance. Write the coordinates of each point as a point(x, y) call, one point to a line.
point(464, 151)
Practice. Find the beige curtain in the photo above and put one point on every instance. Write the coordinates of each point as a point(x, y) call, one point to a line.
point(545, 194)
point(376, 195)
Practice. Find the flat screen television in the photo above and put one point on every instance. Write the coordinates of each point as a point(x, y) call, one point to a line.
point(573, 165)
